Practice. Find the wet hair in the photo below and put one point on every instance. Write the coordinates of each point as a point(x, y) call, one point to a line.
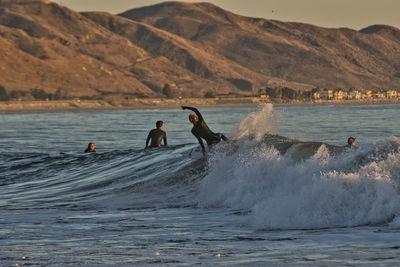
point(88, 149)
point(159, 123)
point(350, 140)
point(192, 117)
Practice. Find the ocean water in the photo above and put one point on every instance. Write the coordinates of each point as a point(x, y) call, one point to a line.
point(284, 191)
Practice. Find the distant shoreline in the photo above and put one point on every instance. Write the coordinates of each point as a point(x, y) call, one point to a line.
point(158, 103)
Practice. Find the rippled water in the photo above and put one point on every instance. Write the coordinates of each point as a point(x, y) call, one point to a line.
point(295, 198)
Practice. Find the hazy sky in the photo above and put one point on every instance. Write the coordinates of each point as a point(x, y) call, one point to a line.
point(354, 14)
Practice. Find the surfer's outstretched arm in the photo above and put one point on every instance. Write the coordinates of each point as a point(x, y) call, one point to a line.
point(195, 110)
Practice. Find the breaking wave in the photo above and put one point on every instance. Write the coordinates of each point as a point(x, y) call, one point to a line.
point(284, 183)
point(273, 181)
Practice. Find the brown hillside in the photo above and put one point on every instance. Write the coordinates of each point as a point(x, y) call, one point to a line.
point(195, 48)
point(290, 51)
point(198, 70)
point(49, 47)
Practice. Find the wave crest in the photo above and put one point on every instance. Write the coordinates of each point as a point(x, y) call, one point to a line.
point(289, 184)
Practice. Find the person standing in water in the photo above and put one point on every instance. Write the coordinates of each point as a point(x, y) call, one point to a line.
point(90, 148)
point(201, 131)
point(156, 135)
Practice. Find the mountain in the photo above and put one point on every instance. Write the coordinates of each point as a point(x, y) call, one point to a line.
point(195, 48)
point(49, 47)
point(295, 52)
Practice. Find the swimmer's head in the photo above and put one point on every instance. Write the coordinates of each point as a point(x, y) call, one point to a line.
point(91, 146)
point(159, 124)
point(351, 141)
point(193, 118)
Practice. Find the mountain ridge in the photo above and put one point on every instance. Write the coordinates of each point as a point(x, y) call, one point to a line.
point(312, 42)
point(197, 48)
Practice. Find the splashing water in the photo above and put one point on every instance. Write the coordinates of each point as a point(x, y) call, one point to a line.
point(126, 205)
point(291, 189)
point(256, 124)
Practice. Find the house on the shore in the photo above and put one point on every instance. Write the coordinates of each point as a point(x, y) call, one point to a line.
point(392, 94)
point(327, 94)
point(367, 94)
point(319, 94)
point(378, 94)
point(316, 95)
point(354, 94)
point(338, 94)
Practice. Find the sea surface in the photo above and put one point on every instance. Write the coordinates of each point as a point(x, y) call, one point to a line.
point(284, 191)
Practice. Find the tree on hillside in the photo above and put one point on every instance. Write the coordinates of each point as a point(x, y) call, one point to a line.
point(3, 94)
point(169, 91)
point(288, 93)
point(58, 95)
point(40, 94)
point(209, 94)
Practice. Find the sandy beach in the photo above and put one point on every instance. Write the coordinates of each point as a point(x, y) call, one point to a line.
point(153, 103)
point(138, 103)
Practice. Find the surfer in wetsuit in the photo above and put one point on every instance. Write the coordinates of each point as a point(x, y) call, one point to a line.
point(156, 135)
point(201, 131)
point(90, 148)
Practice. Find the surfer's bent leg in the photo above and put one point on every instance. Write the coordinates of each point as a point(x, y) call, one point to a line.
point(223, 137)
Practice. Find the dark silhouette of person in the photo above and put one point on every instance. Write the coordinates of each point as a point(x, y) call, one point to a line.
point(351, 142)
point(201, 131)
point(156, 135)
point(90, 148)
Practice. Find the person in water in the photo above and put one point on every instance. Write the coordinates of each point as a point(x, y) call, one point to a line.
point(201, 131)
point(90, 148)
point(351, 142)
point(156, 135)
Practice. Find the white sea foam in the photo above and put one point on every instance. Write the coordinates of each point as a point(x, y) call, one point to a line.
point(356, 187)
point(258, 123)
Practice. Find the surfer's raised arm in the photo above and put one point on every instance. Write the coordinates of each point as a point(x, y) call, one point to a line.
point(195, 110)
point(201, 131)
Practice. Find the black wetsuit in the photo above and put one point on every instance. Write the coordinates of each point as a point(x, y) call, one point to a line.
point(156, 136)
point(200, 130)
point(89, 151)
